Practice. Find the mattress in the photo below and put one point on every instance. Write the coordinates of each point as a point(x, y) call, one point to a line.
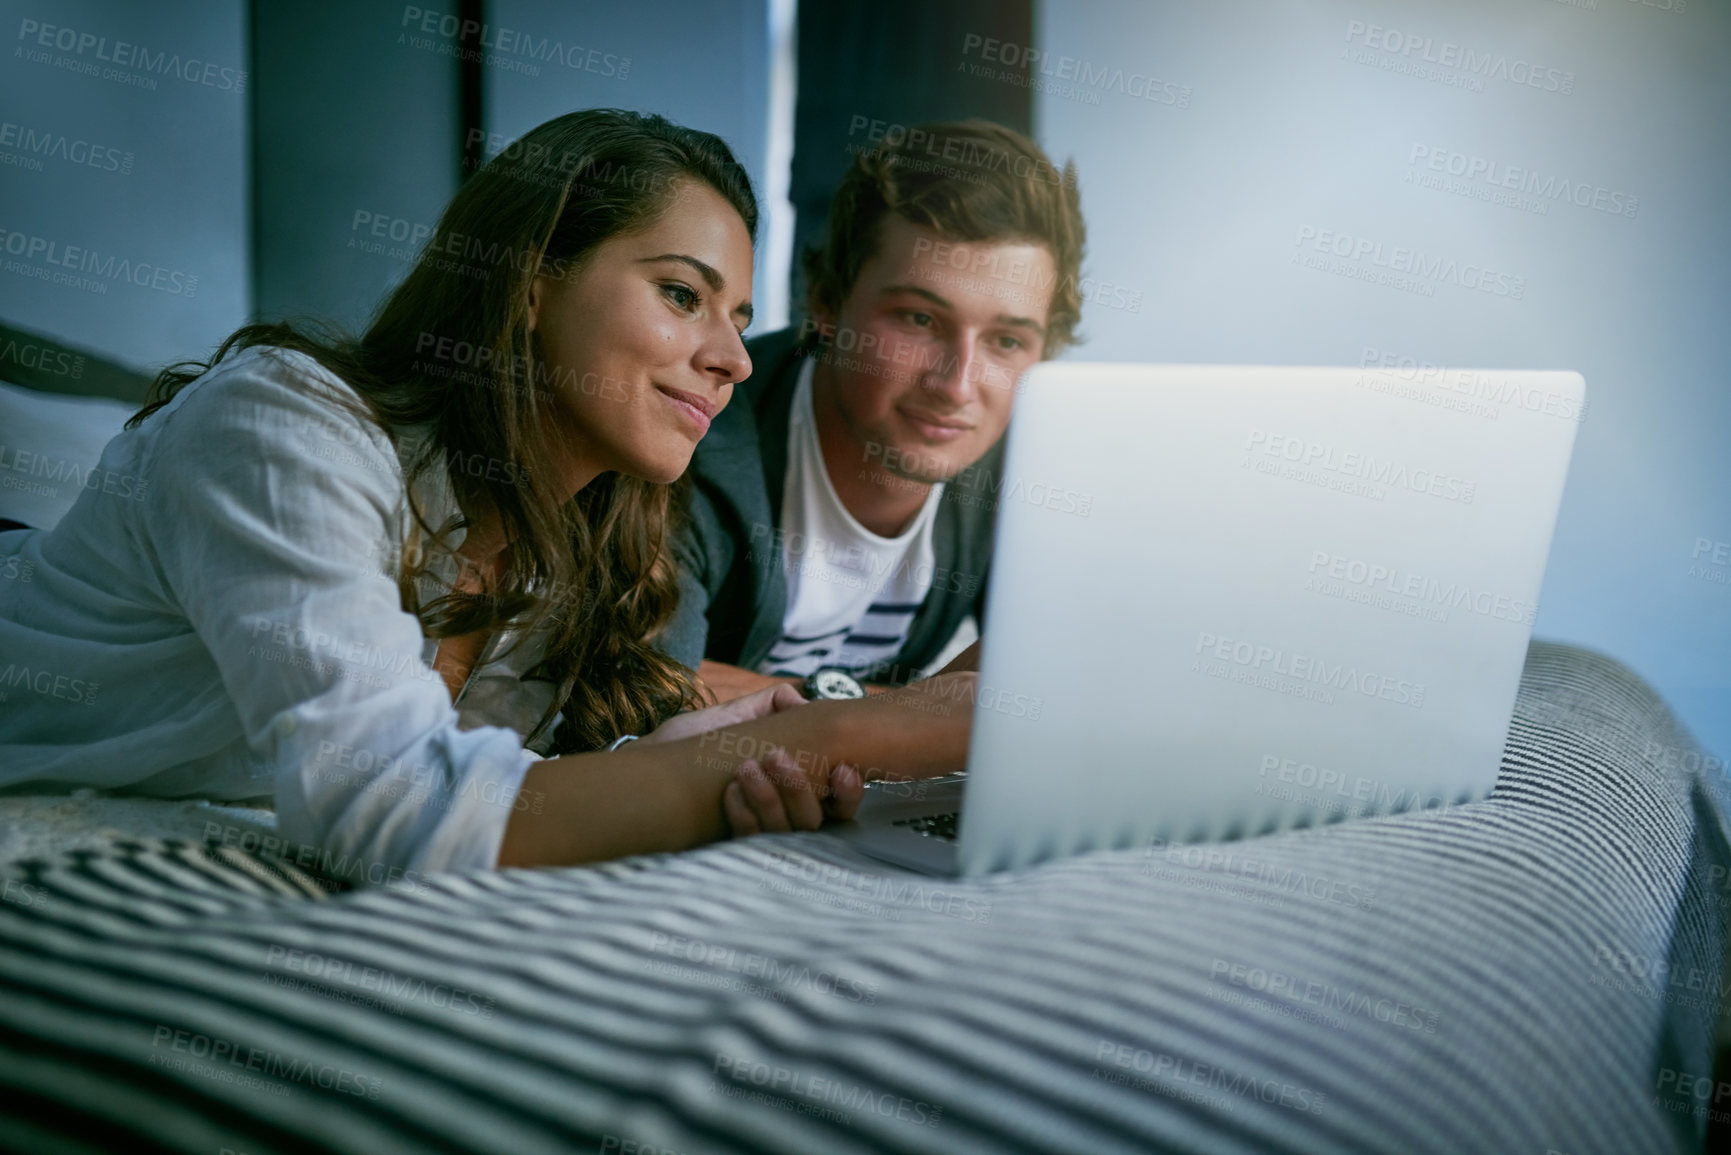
point(1538, 971)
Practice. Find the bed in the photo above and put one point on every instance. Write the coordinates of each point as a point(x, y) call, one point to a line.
point(1537, 972)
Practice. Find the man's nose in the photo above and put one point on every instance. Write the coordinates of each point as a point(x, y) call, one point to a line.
point(957, 377)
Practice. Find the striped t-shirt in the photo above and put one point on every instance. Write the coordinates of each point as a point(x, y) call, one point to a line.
point(851, 594)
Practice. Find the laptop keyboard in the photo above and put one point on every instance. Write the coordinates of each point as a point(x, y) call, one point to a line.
point(932, 825)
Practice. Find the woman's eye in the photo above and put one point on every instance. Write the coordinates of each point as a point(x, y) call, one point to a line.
point(920, 319)
point(682, 295)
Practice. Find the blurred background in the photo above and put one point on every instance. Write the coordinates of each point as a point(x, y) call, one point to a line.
point(1404, 183)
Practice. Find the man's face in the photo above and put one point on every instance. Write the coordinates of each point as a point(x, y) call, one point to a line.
point(922, 361)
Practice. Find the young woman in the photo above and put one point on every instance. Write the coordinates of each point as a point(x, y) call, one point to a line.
point(381, 579)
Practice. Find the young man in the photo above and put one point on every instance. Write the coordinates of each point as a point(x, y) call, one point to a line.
point(842, 508)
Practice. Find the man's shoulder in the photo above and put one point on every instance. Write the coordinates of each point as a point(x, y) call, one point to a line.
point(981, 476)
point(775, 358)
point(734, 434)
point(728, 465)
point(773, 346)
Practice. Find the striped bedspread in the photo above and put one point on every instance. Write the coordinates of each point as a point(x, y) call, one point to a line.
point(1538, 972)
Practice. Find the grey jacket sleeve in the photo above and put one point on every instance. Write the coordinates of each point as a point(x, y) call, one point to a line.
point(685, 637)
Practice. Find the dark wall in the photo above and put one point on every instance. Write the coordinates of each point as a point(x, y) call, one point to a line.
point(867, 64)
point(356, 147)
point(123, 203)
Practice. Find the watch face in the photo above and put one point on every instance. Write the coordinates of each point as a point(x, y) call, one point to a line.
point(836, 684)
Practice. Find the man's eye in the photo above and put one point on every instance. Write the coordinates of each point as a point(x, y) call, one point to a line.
point(682, 295)
point(921, 319)
point(1009, 344)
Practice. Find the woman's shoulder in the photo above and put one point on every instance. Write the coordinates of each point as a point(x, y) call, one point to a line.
point(261, 374)
point(270, 394)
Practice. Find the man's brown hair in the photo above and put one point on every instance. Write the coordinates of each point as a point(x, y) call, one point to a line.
point(969, 180)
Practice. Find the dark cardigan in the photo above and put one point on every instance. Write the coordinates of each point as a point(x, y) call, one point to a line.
point(733, 594)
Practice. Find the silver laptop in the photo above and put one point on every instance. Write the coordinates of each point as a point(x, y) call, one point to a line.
point(1226, 601)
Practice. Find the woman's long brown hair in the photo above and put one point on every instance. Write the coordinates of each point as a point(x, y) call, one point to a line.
point(451, 346)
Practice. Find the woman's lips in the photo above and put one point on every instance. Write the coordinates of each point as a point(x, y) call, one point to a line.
point(935, 428)
point(699, 410)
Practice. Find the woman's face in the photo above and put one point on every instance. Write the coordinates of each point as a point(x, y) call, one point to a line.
point(642, 341)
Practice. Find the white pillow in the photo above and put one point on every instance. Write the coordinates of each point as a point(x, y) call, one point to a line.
point(48, 444)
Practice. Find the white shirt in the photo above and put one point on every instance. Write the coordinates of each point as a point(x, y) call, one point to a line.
point(227, 624)
point(851, 594)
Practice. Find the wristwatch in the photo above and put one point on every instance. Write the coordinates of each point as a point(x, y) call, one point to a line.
point(832, 684)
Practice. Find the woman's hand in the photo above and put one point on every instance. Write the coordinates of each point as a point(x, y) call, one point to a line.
point(775, 793)
point(750, 707)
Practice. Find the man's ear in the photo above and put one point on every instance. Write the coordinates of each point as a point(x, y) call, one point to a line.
point(819, 318)
point(536, 292)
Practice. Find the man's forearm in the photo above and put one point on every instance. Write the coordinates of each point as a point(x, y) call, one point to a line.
point(725, 682)
point(649, 797)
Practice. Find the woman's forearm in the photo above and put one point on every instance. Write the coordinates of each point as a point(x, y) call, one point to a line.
point(650, 796)
point(593, 807)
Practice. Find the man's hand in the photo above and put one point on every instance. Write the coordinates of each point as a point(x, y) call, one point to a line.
point(968, 659)
point(723, 683)
point(759, 704)
point(775, 794)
